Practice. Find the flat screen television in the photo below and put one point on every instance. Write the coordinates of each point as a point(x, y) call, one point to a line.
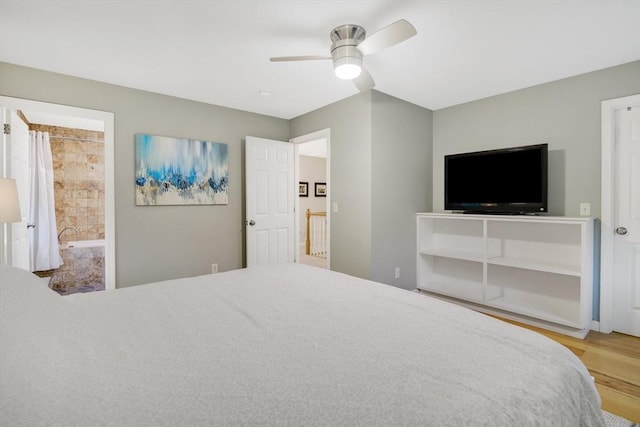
point(504, 181)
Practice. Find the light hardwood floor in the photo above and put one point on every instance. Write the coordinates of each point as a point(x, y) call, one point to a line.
point(614, 361)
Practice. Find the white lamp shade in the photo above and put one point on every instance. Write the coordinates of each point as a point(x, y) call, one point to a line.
point(9, 205)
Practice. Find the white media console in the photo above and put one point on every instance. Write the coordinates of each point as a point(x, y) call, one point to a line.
point(534, 269)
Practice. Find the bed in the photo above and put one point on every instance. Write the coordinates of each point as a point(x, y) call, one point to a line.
point(275, 345)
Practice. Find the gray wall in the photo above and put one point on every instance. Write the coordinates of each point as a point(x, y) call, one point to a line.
point(380, 177)
point(350, 181)
point(565, 114)
point(162, 242)
point(401, 184)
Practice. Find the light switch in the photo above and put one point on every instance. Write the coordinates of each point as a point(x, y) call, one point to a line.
point(335, 207)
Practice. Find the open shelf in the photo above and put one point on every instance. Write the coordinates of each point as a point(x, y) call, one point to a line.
point(534, 267)
point(544, 295)
point(539, 245)
point(569, 270)
point(453, 277)
point(457, 238)
point(526, 304)
point(454, 253)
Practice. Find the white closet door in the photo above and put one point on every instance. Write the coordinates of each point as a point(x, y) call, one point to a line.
point(626, 241)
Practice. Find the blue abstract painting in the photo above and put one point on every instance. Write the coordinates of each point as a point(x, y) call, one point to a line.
point(176, 171)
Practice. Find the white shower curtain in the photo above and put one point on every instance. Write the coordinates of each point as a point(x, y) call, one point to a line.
point(43, 238)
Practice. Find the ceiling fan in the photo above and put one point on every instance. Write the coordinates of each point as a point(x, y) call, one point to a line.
point(350, 46)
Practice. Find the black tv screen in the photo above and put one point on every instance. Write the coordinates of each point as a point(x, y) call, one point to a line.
point(507, 180)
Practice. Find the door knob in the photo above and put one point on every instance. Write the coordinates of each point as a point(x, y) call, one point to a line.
point(252, 223)
point(621, 231)
point(30, 225)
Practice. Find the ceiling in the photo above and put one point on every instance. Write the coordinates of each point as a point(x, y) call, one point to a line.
point(218, 51)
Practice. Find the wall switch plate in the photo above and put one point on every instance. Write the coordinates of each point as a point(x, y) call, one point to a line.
point(214, 268)
point(335, 207)
point(585, 209)
point(397, 273)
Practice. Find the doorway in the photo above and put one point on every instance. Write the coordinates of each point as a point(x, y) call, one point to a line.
point(313, 235)
point(79, 126)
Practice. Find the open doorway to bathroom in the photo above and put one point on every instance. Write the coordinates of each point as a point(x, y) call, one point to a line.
point(77, 153)
point(313, 195)
point(81, 152)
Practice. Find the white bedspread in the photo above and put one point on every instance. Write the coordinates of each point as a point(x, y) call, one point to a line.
point(276, 345)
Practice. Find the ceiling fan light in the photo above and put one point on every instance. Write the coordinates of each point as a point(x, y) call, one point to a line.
point(348, 67)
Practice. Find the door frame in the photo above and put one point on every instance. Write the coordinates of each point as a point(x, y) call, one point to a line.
point(109, 176)
point(321, 134)
point(607, 216)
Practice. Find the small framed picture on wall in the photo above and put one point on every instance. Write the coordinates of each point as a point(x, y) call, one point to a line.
point(303, 189)
point(321, 189)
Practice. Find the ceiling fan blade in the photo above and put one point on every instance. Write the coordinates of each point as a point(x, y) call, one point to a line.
point(364, 81)
point(386, 37)
point(298, 58)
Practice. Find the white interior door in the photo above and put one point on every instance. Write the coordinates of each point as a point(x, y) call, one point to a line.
point(269, 207)
point(626, 240)
point(16, 166)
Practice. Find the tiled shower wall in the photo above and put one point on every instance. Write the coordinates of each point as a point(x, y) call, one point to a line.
point(78, 173)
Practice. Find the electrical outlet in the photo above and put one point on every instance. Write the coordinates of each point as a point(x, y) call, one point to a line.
point(214, 268)
point(397, 273)
point(585, 209)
